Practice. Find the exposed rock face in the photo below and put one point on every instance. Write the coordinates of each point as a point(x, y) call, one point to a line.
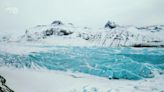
point(57, 32)
point(110, 25)
point(48, 32)
point(146, 45)
point(154, 28)
point(65, 32)
point(57, 22)
point(3, 86)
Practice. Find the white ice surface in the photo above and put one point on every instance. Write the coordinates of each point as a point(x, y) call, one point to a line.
point(42, 80)
point(21, 49)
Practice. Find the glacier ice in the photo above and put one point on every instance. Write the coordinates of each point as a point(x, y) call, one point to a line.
point(116, 63)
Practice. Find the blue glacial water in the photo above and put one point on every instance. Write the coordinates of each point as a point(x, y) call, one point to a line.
point(116, 63)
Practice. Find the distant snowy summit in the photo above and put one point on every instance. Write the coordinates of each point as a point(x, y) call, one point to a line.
point(111, 35)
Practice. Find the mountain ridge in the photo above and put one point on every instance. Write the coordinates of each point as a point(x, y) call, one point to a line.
point(111, 35)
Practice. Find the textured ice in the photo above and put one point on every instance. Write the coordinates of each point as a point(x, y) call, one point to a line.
point(117, 63)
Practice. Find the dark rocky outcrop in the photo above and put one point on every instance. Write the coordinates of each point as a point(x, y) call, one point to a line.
point(65, 32)
point(146, 45)
point(110, 25)
point(57, 22)
point(154, 28)
point(49, 32)
point(57, 32)
point(3, 86)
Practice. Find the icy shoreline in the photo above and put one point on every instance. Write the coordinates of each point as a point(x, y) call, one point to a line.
point(40, 80)
point(43, 80)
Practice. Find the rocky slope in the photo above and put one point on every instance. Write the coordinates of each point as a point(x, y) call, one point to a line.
point(3, 86)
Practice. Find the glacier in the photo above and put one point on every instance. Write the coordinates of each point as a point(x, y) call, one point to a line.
point(112, 63)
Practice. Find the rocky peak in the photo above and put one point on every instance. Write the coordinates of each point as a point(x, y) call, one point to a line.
point(110, 25)
point(57, 22)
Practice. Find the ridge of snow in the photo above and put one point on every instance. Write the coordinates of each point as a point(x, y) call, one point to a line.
point(68, 34)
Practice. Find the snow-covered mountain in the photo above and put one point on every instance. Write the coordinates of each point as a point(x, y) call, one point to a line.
point(59, 33)
point(34, 55)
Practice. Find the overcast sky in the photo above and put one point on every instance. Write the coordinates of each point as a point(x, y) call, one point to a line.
point(21, 14)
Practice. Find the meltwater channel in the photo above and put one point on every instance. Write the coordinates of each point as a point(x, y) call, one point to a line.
point(112, 63)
